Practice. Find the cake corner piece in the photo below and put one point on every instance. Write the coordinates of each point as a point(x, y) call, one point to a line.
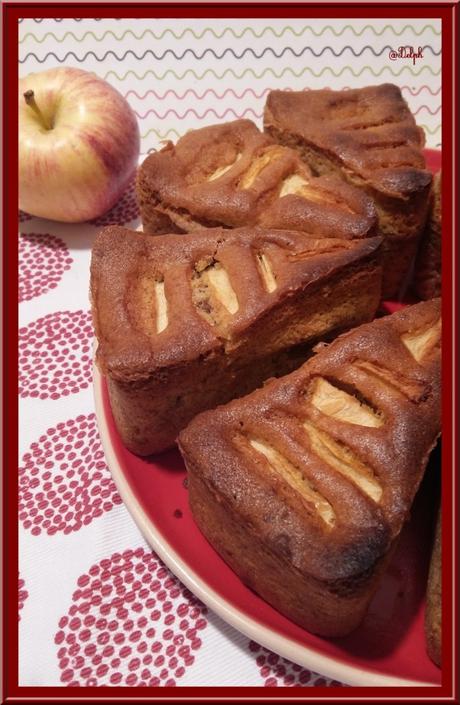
point(368, 137)
point(303, 486)
point(234, 175)
point(186, 322)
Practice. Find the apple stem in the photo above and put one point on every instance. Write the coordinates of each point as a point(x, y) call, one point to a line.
point(29, 97)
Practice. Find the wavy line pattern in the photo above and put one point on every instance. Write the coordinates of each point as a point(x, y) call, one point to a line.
point(266, 71)
point(218, 56)
point(56, 19)
point(179, 74)
point(231, 113)
point(172, 131)
point(163, 135)
point(416, 91)
point(230, 30)
point(432, 130)
point(200, 96)
point(428, 109)
point(247, 92)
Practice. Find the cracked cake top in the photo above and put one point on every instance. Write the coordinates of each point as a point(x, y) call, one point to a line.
point(369, 131)
point(233, 175)
point(161, 301)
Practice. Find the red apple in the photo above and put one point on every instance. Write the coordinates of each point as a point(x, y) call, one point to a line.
point(78, 145)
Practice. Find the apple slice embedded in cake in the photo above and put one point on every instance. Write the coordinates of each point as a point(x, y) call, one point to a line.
point(232, 175)
point(185, 323)
point(369, 138)
point(304, 485)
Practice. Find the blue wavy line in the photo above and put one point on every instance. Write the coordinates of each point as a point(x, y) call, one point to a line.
point(198, 56)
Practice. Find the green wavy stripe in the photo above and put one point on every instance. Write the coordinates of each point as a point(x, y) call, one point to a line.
point(164, 135)
point(297, 74)
point(229, 30)
point(431, 130)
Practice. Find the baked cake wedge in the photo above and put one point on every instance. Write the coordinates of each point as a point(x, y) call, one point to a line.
point(304, 486)
point(433, 609)
point(187, 322)
point(232, 175)
point(427, 275)
point(369, 137)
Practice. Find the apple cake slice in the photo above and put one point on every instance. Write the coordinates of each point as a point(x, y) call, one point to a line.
point(433, 609)
point(232, 175)
point(304, 486)
point(187, 322)
point(427, 277)
point(369, 137)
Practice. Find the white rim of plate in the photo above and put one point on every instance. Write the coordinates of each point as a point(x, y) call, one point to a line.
point(285, 647)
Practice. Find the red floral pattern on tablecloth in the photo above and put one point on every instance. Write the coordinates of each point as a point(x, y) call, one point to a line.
point(55, 355)
point(124, 211)
point(22, 595)
point(131, 623)
point(64, 481)
point(278, 671)
point(43, 259)
point(23, 216)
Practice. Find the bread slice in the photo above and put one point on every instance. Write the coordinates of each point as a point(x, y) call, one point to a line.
point(369, 137)
point(303, 486)
point(427, 277)
point(433, 612)
point(186, 322)
point(232, 175)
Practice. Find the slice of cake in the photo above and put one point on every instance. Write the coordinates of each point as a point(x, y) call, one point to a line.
point(369, 137)
point(304, 486)
point(427, 277)
point(187, 322)
point(232, 175)
point(433, 610)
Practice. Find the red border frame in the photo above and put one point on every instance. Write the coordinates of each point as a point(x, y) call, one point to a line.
point(448, 13)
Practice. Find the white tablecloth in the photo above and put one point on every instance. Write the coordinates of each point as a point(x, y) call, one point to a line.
point(96, 607)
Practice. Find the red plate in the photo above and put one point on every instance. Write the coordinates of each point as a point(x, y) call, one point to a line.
point(388, 649)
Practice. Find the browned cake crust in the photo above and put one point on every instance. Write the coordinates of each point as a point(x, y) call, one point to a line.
point(370, 138)
point(185, 322)
point(427, 278)
point(233, 175)
point(303, 486)
point(433, 612)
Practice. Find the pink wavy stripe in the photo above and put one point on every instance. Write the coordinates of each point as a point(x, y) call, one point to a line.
point(192, 111)
point(247, 91)
point(248, 111)
point(190, 91)
point(428, 109)
point(419, 90)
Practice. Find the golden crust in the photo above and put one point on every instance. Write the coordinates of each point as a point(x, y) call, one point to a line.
point(433, 612)
point(185, 322)
point(369, 138)
point(370, 131)
point(427, 276)
point(122, 260)
point(324, 489)
point(233, 175)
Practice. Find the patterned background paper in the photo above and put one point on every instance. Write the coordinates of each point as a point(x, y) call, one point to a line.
point(96, 607)
point(180, 74)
